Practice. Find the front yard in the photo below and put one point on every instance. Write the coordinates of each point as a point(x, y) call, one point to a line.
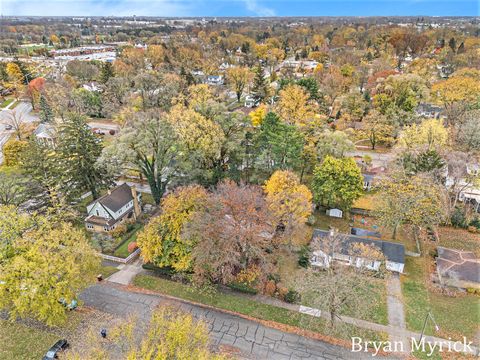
point(456, 316)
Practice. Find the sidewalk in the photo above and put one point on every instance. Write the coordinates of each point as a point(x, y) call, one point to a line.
point(395, 332)
point(396, 312)
point(127, 273)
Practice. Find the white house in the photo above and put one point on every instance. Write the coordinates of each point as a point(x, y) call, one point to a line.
point(214, 80)
point(470, 192)
point(119, 204)
point(394, 253)
point(92, 86)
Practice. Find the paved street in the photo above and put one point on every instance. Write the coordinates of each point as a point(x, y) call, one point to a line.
point(253, 340)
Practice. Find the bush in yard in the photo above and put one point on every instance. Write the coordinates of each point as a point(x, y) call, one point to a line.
point(304, 257)
point(476, 223)
point(270, 288)
point(282, 292)
point(118, 231)
point(132, 247)
point(458, 218)
point(292, 296)
point(242, 288)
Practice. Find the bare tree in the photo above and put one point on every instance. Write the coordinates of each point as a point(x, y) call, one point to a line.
point(15, 120)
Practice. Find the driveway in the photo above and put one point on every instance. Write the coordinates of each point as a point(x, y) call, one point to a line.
point(252, 340)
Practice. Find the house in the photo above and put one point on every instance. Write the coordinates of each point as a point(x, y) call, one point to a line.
point(469, 190)
point(428, 110)
point(394, 253)
point(92, 86)
point(110, 210)
point(250, 101)
point(458, 268)
point(214, 80)
point(46, 134)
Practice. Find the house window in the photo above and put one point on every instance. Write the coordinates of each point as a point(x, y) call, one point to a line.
point(89, 226)
point(98, 214)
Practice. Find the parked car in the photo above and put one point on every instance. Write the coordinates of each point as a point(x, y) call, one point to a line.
point(59, 346)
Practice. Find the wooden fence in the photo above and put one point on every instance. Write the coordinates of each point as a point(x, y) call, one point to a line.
point(126, 260)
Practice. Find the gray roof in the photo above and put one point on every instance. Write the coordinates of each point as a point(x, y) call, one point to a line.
point(365, 232)
point(458, 264)
point(117, 198)
point(393, 252)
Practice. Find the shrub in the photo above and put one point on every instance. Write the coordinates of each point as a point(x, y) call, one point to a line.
point(475, 222)
point(270, 288)
point(242, 288)
point(472, 229)
point(292, 296)
point(248, 276)
point(304, 257)
point(118, 231)
point(274, 277)
point(282, 292)
point(132, 247)
point(458, 218)
point(471, 290)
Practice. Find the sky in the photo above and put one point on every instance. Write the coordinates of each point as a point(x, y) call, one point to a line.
point(260, 8)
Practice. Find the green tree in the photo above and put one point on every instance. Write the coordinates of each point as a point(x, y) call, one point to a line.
point(106, 72)
point(337, 182)
point(260, 87)
point(46, 112)
point(279, 144)
point(77, 152)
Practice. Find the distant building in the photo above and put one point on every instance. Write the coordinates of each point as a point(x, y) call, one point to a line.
point(428, 110)
point(46, 134)
point(214, 80)
point(394, 253)
point(112, 209)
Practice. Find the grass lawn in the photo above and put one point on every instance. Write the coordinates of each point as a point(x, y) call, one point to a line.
point(148, 199)
point(22, 342)
point(251, 308)
point(456, 316)
point(122, 250)
point(324, 222)
point(6, 102)
point(106, 271)
point(14, 105)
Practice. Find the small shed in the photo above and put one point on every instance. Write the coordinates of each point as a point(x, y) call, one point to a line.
point(335, 213)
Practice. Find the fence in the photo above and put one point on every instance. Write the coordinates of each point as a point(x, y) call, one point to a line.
point(126, 260)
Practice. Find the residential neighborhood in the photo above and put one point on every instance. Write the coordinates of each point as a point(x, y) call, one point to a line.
point(256, 186)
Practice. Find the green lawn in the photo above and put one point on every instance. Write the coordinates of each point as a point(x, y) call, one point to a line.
point(323, 221)
point(456, 316)
point(6, 102)
point(122, 250)
point(106, 271)
point(22, 342)
point(148, 199)
point(251, 308)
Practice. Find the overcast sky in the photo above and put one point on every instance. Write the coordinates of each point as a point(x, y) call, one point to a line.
point(239, 7)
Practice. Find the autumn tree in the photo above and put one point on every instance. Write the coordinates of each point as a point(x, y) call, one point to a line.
point(160, 240)
point(288, 200)
point(46, 113)
point(170, 334)
point(333, 143)
point(337, 182)
point(258, 115)
point(430, 132)
point(294, 106)
point(47, 262)
point(233, 233)
point(377, 128)
point(14, 188)
point(260, 87)
point(12, 151)
point(413, 200)
point(238, 78)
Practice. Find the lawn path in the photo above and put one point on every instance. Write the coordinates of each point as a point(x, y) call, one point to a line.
point(396, 312)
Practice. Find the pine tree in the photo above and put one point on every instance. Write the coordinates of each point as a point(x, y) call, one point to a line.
point(46, 113)
point(106, 72)
point(260, 86)
point(78, 151)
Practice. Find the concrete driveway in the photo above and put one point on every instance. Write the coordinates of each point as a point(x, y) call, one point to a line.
point(252, 340)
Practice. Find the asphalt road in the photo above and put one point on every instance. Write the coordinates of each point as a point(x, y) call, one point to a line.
point(252, 340)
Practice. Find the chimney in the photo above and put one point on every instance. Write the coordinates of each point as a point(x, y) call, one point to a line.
point(136, 205)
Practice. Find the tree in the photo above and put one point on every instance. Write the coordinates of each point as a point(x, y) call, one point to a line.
point(82, 70)
point(148, 143)
point(35, 89)
point(88, 102)
point(468, 131)
point(160, 241)
point(13, 188)
point(258, 115)
point(48, 263)
point(337, 182)
point(294, 106)
point(377, 128)
point(12, 151)
point(339, 287)
point(260, 87)
point(279, 144)
point(333, 143)
point(16, 120)
point(233, 233)
point(288, 200)
point(77, 152)
point(170, 334)
point(46, 112)
point(106, 72)
point(238, 78)
point(430, 133)
point(14, 73)
point(413, 200)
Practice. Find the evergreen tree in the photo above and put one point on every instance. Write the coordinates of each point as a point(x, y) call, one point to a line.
point(77, 151)
point(106, 72)
point(453, 44)
point(46, 113)
point(260, 85)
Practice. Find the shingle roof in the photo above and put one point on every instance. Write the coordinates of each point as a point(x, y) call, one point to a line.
point(118, 197)
point(393, 252)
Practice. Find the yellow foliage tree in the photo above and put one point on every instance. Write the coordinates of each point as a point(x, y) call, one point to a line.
point(199, 95)
point(290, 201)
point(238, 78)
point(160, 241)
point(431, 132)
point(294, 106)
point(257, 115)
